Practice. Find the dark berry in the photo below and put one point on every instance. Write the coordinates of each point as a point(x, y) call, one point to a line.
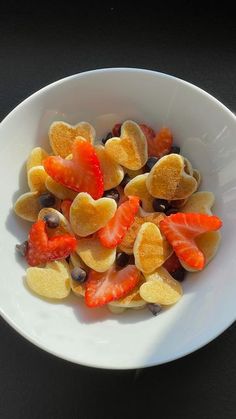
point(125, 180)
point(116, 130)
point(150, 163)
point(154, 308)
point(47, 200)
point(22, 248)
point(113, 194)
point(52, 220)
point(78, 274)
point(175, 149)
point(108, 136)
point(122, 259)
point(131, 260)
point(179, 274)
point(160, 205)
point(172, 211)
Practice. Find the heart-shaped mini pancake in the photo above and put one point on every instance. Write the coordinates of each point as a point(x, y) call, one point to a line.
point(168, 179)
point(137, 187)
point(130, 149)
point(87, 215)
point(161, 288)
point(199, 202)
point(36, 179)
point(36, 157)
point(53, 281)
point(62, 136)
point(150, 248)
point(27, 206)
point(94, 255)
point(197, 176)
point(188, 168)
point(127, 243)
point(112, 172)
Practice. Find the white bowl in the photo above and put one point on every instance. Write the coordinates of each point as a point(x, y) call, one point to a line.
point(206, 131)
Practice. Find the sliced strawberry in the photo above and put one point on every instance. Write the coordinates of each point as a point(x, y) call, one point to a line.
point(181, 229)
point(112, 234)
point(150, 135)
point(65, 208)
point(116, 130)
point(82, 173)
point(163, 142)
point(172, 263)
point(42, 249)
point(160, 144)
point(101, 288)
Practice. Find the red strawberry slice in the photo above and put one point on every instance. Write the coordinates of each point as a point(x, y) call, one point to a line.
point(101, 288)
point(42, 249)
point(82, 173)
point(159, 144)
point(150, 135)
point(172, 264)
point(181, 229)
point(65, 208)
point(112, 234)
point(116, 130)
point(163, 142)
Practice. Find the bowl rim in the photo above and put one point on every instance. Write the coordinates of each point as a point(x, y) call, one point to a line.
point(119, 69)
point(193, 347)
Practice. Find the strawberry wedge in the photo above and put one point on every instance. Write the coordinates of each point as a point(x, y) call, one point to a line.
point(82, 173)
point(102, 288)
point(113, 233)
point(182, 228)
point(42, 249)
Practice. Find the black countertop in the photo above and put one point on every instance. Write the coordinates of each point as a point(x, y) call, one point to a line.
point(39, 48)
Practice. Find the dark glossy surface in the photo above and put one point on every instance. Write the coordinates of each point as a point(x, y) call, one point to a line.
point(150, 163)
point(47, 200)
point(113, 194)
point(52, 220)
point(37, 49)
point(78, 274)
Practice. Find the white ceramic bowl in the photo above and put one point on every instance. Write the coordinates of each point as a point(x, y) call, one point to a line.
point(206, 131)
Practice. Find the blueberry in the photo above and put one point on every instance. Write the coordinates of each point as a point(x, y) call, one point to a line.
point(52, 220)
point(113, 194)
point(78, 274)
point(172, 211)
point(160, 205)
point(22, 248)
point(125, 180)
point(150, 163)
point(47, 200)
point(175, 149)
point(131, 260)
point(122, 259)
point(154, 308)
point(108, 136)
point(179, 274)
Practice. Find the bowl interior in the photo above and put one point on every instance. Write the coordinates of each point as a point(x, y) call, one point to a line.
point(206, 132)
